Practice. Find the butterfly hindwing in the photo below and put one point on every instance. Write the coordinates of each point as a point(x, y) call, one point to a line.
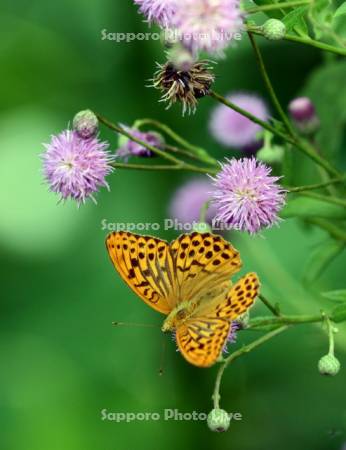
point(145, 264)
point(201, 340)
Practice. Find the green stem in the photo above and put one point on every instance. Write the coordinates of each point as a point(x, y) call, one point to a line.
point(273, 308)
point(301, 145)
point(305, 41)
point(246, 349)
point(330, 336)
point(324, 198)
point(157, 151)
point(270, 87)
point(203, 212)
point(199, 152)
point(274, 6)
point(285, 320)
point(311, 187)
point(182, 166)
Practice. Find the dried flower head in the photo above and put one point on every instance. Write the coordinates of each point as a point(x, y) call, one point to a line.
point(128, 148)
point(232, 129)
point(208, 25)
point(159, 11)
point(184, 86)
point(74, 167)
point(247, 196)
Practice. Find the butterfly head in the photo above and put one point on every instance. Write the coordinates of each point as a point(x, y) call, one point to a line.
point(178, 316)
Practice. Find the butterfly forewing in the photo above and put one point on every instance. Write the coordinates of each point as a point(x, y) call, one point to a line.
point(202, 262)
point(145, 264)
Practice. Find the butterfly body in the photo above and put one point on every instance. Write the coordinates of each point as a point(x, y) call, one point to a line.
point(188, 281)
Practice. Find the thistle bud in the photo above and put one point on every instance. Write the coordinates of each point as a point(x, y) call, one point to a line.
point(218, 420)
point(329, 365)
point(86, 124)
point(274, 29)
point(304, 116)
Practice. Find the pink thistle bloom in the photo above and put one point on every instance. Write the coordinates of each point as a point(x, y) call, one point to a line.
point(232, 129)
point(158, 11)
point(74, 167)
point(207, 25)
point(188, 200)
point(247, 197)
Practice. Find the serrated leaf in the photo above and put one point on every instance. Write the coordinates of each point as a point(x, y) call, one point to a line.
point(311, 208)
point(320, 259)
point(336, 296)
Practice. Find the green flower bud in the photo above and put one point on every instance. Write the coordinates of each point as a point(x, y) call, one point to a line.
point(218, 420)
point(243, 320)
point(274, 29)
point(202, 227)
point(271, 155)
point(329, 365)
point(86, 124)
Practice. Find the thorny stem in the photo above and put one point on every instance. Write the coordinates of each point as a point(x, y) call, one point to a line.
point(303, 40)
point(246, 349)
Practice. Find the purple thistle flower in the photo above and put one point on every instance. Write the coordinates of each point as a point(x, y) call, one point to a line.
point(188, 200)
point(130, 148)
point(74, 167)
point(207, 25)
point(246, 195)
point(231, 129)
point(159, 11)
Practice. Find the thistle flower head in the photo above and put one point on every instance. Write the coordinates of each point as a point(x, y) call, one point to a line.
point(74, 167)
point(128, 148)
point(246, 195)
point(303, 114)
point(207, 25)
point(232, 129)
point(158, 11)
point(188, 200)
point(86, 124)
point(184, 86)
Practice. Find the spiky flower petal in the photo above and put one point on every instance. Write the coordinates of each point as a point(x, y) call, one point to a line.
point(74, 167)
point(246, 195)
point(159, 11)
point(208, 25)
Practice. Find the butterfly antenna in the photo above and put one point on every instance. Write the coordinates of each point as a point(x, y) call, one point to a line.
point(163, 355)
point(132, 324)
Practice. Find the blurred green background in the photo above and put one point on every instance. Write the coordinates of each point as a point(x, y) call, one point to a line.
point(62, 361)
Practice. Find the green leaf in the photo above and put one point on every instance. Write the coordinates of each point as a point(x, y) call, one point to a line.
point(339, 313)
point(311, 208)
point(340, 11)
point(321, 14)
point(321, 258)
point(327, 89)
point(336, 296)
point(295, 21)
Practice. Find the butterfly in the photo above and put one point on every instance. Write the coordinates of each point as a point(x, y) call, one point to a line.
point(188, 280)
